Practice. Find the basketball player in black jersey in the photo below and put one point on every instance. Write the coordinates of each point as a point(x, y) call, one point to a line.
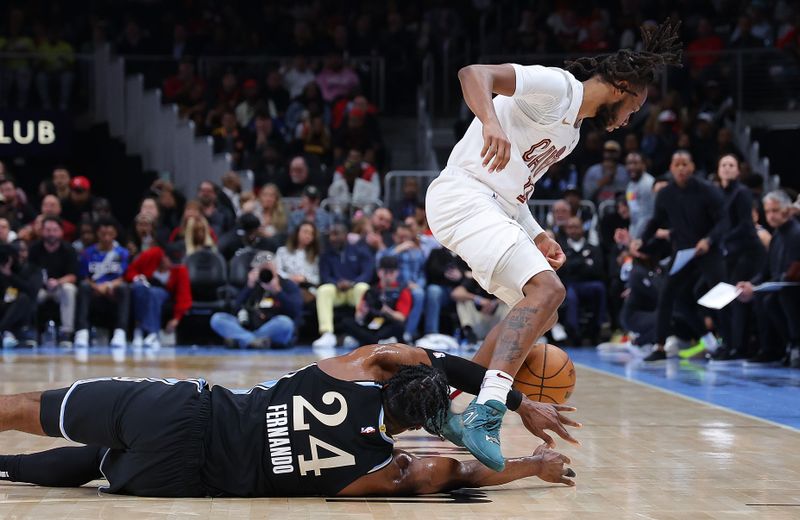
point(324, 430)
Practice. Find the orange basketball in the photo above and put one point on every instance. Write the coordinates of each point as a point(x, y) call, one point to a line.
point(547, 375)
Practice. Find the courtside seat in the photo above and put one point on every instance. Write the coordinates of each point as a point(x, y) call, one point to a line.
point(208, 278)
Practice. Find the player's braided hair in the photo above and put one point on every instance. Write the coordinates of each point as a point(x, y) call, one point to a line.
point(417, 395)
point(662, 46)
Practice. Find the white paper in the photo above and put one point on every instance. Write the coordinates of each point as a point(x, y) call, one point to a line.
point(682, 257)
point(721, 295)
point(773, 286)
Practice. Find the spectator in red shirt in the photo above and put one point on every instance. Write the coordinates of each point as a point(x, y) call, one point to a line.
point(702, 51)
point(355, 180)
point(156, 282)
point(178, 87)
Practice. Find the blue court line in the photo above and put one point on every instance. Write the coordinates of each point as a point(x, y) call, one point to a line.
point(771, 394)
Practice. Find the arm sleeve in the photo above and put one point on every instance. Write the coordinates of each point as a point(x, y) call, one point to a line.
point(536, 83)
point(389, 251)
point(420, 279)
point(312, 272)
point(242, 297)
point(280, 261)
point(466, 375)
point(367, 268)
point(719, 217)
point(646, 201)
point(74, 266)
point(182, 292)
point(658, 220)
point(325, 270)
point(404, 302)
point(134, 268)
point(291, 299)
point(528, 223)
point(84, 266)
point(742, 206)
point(123, 261)
point(590, 182)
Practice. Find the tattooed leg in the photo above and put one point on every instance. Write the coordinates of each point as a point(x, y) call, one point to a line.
point(484, 354)
point(527, 322)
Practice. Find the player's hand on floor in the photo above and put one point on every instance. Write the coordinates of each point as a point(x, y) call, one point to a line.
point(552, 467)
point(496, 150)
point(538, 417)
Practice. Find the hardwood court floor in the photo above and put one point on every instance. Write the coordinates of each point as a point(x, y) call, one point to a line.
point(645, 454)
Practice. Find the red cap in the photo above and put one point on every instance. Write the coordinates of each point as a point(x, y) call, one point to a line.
point(250, 83)
point(80, 183)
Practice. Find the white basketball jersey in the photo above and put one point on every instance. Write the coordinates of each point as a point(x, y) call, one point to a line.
point(539, 120)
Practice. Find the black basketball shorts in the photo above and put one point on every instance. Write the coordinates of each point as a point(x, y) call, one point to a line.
point(153, 430)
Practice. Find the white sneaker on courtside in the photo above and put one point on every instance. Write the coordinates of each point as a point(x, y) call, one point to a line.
point(152, 341)
point(118, 340)
point(327, 340)
point(81, 339)
point(138, 337)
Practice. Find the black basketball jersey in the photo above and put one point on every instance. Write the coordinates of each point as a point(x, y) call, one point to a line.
point(309, 434)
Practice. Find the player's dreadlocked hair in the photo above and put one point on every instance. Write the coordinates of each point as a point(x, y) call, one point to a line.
point(662, 46)
point(417, 395)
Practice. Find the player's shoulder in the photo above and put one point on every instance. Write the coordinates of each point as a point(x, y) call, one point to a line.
point(543, 70)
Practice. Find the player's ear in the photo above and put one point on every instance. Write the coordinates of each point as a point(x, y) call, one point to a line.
point(622, 88)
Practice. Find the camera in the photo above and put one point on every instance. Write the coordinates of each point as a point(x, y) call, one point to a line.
point(265, 276)
point(374, 301)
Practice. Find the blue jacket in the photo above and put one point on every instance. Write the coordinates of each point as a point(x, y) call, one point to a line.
point(353, 262)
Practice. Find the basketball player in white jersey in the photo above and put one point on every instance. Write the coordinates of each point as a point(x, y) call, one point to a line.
point(477, 207)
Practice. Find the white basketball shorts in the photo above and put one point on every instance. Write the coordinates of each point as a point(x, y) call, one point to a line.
point(468, 218)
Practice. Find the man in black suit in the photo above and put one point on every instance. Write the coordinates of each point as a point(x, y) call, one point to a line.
point(690, 213)
point(582, 275)
point(778, 311)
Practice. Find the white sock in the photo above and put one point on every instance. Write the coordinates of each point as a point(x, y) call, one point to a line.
point(710, 342)
point(496, 385)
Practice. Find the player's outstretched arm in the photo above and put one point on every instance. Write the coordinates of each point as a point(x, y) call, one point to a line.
point(410, 475)
point(381, 362)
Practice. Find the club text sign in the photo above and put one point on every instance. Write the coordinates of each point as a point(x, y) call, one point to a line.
point(32, 132)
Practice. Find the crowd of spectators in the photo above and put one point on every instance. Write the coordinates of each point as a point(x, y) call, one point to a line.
point(309, 275)
point(307, 253)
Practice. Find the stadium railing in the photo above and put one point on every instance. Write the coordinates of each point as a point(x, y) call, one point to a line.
point(540, 208)
point(393, 183)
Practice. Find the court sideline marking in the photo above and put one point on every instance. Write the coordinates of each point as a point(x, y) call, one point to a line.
point(688, 398)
